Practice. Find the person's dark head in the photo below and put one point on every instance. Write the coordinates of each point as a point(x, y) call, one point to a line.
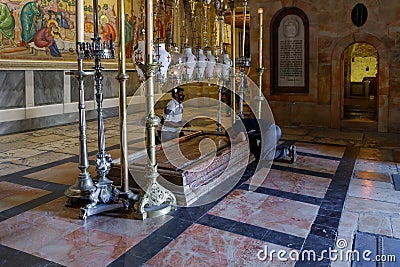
point(178, 94)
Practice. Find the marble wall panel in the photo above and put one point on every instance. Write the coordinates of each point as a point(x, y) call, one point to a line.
point(110, 84)
point(12, 89)
point(49, 87)
point(133, 83)
point(88, 85)
point(44, 122)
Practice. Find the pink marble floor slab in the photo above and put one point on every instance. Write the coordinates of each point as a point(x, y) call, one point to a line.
point(86, 247)
point(29, 232)
point(296, 183)
point(284, 215)
point(313, 164)
point(275, 213)
point(239, 205)
point(321, 149)
point(54, 232)
point(205, 246)
point(12, 195)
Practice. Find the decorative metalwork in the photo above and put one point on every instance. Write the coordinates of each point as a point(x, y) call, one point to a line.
point(243, 62)
point(103, 191)
point(84, 184)
point(154, 200)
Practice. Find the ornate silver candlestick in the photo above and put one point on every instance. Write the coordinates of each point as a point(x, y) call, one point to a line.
point(104, 192)
point(154, 200)
point(221, 8)
point(242, 63)
point(84, 184)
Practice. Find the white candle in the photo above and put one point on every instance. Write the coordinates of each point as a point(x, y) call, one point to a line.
point(260, 15)
point(149, 31)
point(80, 23)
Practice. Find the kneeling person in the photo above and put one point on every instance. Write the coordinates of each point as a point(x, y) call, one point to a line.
point(172, 117)
point(261, 134)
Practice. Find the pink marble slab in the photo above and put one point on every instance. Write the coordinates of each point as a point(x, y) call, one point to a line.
point(313, 164)
point(284, 215)
point(275, 213)
point(296, 183)
point(86, 247)
point(201, 245)
point(239, 205)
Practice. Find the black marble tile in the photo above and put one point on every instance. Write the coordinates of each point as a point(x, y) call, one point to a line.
point(148, 247)
point(216, 222)
point(334, 205)
point(15, 177)
point(192, 214)
point(249, 230)
point(319, 245)
point(6, 214)
point(173, 228)
point(283, 194)
point(329, 213)
point(339, 186)
point(318, 156)
point(301, 171)
point(11, 257)
point(283, 239)
point(128, 260)
point(324, 221)
point(323, 231)
point(44, 185)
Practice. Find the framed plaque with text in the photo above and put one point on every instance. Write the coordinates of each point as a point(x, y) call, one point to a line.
point(289, 52)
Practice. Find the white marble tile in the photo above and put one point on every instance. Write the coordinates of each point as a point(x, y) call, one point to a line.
point(370, 183)
point(359, 204)
point(381, 194)
point(375, 224)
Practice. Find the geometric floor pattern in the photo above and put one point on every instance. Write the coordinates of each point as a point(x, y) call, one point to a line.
point(296, 208)
point(334, 190)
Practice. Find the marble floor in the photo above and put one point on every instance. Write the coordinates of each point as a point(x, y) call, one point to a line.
point(340, 185)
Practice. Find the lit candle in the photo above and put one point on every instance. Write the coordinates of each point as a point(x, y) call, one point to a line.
point(260, 16)
point(79, 21)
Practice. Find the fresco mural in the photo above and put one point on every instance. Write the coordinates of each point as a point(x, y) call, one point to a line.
point(45, 29)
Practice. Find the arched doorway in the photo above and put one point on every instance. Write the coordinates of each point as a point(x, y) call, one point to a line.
point(360, 85)
point(337, 91)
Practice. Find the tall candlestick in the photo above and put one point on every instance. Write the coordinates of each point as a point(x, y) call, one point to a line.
point(149, 31)
point(80, 21)
point(260, 15)
point(96, 18)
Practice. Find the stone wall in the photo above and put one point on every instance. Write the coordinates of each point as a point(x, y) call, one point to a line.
point(331, 31)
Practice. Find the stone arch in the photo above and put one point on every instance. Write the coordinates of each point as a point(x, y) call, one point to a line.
point(338, 79)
